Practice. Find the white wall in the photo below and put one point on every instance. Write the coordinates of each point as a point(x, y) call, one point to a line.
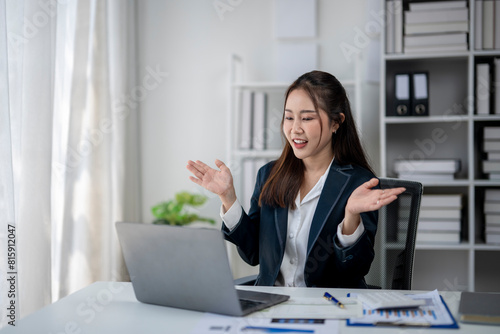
point(185, 116)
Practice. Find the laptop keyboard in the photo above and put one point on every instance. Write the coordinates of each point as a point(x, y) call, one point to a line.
point(247, 303)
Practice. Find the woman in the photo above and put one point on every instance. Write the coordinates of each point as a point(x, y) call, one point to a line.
point(313, 214)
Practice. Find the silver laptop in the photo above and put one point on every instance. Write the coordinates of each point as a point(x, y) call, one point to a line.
point(185, 268)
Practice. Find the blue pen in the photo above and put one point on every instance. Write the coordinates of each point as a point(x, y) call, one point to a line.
point(333, 299)
point(275, 330)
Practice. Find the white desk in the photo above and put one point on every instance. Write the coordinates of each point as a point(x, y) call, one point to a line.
point(111, 307)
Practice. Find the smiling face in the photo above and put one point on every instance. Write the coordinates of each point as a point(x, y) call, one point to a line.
point(308, 131)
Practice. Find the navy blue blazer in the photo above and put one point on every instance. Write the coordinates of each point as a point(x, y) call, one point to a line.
point(261, 234)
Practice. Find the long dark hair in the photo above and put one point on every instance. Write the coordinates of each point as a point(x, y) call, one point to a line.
point(287, 174)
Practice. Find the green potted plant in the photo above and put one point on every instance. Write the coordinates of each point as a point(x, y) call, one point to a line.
point(174, 212)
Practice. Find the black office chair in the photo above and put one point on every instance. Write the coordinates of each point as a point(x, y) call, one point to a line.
point(398, 221)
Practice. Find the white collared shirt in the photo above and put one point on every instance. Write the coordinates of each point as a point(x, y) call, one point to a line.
point(299, 224)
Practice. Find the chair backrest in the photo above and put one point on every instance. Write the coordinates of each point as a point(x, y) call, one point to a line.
point(399, 219)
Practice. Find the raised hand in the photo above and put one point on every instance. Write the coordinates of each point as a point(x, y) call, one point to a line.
point(219, 182)
point(364, 199)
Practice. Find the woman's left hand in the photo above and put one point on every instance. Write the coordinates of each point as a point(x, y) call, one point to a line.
point(364, 198)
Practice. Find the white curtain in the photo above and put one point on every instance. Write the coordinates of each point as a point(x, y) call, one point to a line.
point(69, 145)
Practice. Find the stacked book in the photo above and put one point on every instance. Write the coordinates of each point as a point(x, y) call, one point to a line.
point(436, 26)
point(492, 216)
point(487, 24)
point(432, 170)
point(440, 219)
point(487, 80)
point(252, 132)
point(491, 148)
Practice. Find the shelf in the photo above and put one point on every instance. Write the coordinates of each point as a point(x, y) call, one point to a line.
point(485, 247)
point(257, 154)
point(260, 85)
point(461, 246)
point(486, 117)
point(436, 246)
point(487, 53)
point(426, 119)
point(280, 85)
point(452, 102)
point(463, 54)
point(487, 183)
point(455, 183)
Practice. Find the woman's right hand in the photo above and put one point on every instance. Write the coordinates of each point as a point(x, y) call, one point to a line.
point(219, 182)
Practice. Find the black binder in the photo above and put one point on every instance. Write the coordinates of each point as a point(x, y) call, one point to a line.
point(402, 97)
point(420, 94)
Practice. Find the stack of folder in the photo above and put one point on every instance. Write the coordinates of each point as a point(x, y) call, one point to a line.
point(436, 26)
point(491, 148)
point(432, 170)
point(440, 218)
point(492, 216)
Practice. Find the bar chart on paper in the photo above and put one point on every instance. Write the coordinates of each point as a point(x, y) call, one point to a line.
point(400, 315)
point(434, 313)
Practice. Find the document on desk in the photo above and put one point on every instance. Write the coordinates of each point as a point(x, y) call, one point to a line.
point(312, 308)
point(220, 324)
point(434, 314)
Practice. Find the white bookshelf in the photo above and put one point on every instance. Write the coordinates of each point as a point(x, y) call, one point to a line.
point(276, 93)
point(468, 265)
